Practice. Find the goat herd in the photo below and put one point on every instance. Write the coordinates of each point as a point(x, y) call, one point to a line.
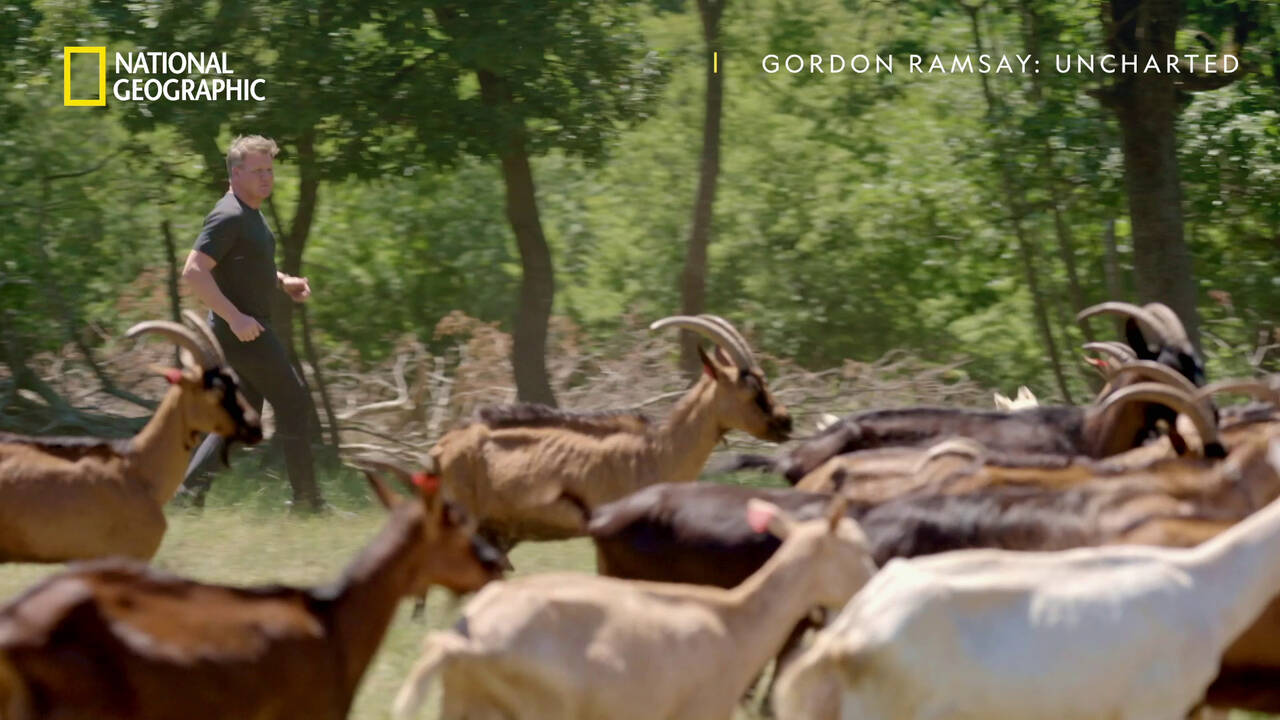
point(1117, 561)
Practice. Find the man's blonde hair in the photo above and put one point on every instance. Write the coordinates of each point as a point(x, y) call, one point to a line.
point(249, 145)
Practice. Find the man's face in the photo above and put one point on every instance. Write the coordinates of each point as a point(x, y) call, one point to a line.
point(254, 177)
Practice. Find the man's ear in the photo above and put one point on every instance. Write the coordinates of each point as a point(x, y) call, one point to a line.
point(709, 367)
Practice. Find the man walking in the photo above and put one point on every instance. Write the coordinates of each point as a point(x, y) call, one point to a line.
point(232, 270)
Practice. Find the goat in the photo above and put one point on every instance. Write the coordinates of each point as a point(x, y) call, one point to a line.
point(1054, 430)
point(530, 472)
point(694, 533)
point(1025, 399)
point(77, 498)
point(113, 639)
point(571, 646)
point(886, 472)
point(1118, 632)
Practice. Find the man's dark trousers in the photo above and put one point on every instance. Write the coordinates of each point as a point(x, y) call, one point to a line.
point(265, 372)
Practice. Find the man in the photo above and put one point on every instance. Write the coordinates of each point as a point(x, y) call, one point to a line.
point(232, 270)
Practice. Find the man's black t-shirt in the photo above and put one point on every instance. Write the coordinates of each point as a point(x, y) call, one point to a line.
point(237, 238)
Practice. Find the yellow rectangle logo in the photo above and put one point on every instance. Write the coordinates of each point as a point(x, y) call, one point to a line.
point(101, 100)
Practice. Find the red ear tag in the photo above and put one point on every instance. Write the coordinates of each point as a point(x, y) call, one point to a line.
point(173, 375)
point(426, 482)
point(759, 518)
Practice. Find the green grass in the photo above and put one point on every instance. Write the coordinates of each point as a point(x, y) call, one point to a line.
point(243, 538)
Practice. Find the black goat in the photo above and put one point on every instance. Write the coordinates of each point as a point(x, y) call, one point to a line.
point(1156, 337)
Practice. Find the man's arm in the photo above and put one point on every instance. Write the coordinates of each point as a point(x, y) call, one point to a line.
point(199, 277)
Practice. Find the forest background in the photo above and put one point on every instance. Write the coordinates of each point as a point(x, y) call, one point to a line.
point(510, 191)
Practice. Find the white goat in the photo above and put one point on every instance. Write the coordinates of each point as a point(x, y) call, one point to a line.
point(1124, 633)
point(567, 646)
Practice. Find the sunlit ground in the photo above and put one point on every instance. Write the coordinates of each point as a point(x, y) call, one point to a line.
point(242, 538)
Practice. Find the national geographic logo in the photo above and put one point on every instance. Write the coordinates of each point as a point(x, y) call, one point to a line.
point(156, 76)
point(67, 54)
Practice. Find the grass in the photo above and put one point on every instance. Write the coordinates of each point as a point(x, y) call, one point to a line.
point(243, 538)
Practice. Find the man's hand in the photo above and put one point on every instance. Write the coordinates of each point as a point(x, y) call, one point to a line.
point(245, 327)
point(296, 287)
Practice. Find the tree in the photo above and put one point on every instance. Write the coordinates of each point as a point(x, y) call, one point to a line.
point(1147, 105)
point(551, 75)
point(693, 280)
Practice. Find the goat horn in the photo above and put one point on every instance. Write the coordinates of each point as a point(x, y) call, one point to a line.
point(1151, 326)
point(967, 447)
point(203, 330)
point(1254, 388)
point(708, 329)
point(181, 335)
point(1174, 332)
point(1155, 371)
point(1116, 350)
point(1163, 374)
point(1169, 397)
point(743, 346)
point(371, 464)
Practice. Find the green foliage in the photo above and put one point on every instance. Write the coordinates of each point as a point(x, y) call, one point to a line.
point(856, 213)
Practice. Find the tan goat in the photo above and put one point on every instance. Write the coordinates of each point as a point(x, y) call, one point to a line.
point(533, 473)
point(565, 646)
point(77, 498)
point(114, 639)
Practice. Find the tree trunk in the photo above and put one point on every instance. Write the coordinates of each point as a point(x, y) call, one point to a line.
point(1014, 201)
point(1146, 105)
point(537, 286)
point(693, 280)
point(322, 386)
point(294, 239)
point(175, 297)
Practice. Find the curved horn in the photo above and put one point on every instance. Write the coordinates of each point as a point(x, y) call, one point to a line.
point(203, 330)
point(972, 449)
point(1155, 371)
point(1170, 398)
point(1116, 350)
point(708, 329)
point(1163, 374)
point(1254, 388)
point(181, 335)
point(1170, 323)
point(1151, 326)
point(743, 346)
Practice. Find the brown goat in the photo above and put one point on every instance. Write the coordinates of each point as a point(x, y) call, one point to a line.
point(533, 473)
point(884, 473)
point(1056, 430)
point(77, 498)
point(113, 639)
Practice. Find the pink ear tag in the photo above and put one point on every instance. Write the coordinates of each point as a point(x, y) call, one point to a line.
point(426, 482)
point(759, 518)
point(173, 375)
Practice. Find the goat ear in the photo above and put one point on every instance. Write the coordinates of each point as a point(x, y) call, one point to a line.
point(708, 365)
point(765, 516)
point(1133, 335)
point(388, 499)
point(835, 511)
point(1002, 402)
point(173, 375)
